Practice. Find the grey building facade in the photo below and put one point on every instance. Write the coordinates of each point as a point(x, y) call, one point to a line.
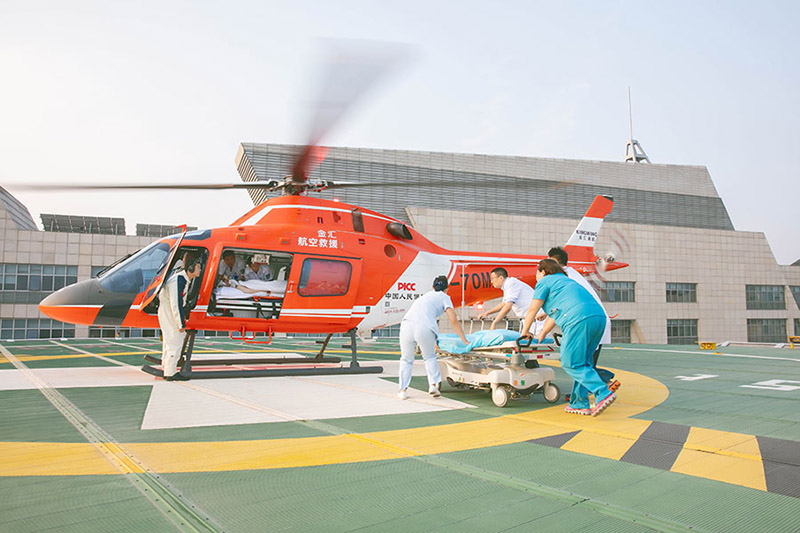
point(692, 276)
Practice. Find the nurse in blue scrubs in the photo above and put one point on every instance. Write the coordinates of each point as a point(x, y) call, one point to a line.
point(582, 321)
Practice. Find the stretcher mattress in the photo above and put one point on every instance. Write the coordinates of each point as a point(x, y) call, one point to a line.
point(265, 303)
point(449, 342)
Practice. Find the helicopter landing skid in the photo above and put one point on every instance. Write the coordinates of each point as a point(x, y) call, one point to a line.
point(300, 367)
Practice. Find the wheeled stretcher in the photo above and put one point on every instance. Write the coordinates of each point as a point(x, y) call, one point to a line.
point(510, 371)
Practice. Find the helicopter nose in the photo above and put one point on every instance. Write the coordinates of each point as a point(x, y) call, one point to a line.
point(74, 304)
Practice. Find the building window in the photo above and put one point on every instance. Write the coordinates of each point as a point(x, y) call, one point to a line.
point(766, 330)
point(682, 331)
point(681, 292)
point(797, 327)
point(111, 332)
point(618, 291)
point(96, 270)
point(796, 293)
point(765, 297)
point(35, 328)
point(621, 331)
point(30, 284)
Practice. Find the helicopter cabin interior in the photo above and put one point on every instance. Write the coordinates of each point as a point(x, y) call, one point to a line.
point(257, 294)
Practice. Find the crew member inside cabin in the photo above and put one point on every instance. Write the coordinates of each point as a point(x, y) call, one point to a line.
point(257, 270)
point(517, 296)
point(582, 321)
point(231, 270)
point(420, 326)
point(172, 315)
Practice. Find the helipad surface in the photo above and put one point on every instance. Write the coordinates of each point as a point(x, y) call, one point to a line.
point(698, 440)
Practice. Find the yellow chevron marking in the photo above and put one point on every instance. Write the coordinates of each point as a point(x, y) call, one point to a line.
point(611, 446)
point(729, 457)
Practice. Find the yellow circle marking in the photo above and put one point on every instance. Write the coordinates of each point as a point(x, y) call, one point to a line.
point(641, 393)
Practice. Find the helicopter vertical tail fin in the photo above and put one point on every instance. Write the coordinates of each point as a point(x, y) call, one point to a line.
point(580, 246)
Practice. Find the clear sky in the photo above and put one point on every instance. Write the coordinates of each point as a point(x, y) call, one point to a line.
point(149, 91)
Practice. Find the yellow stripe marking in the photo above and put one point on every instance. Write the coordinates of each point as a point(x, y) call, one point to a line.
point(610, 446)
point(722, 456)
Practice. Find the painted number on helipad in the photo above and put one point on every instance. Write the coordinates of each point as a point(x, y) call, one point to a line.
point(775, 384)
point(697, 377)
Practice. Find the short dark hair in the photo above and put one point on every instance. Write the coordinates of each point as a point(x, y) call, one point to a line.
point(190, 260)
point(559, 255)
point(500, 271)
point(440, 283)
point(550, 266)
point(228, 253)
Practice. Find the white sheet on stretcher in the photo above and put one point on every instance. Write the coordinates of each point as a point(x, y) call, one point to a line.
point(450, 342)
point(264, 288)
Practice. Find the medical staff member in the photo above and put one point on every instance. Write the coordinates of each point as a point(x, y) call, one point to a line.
point(560, 255)
point(517, 296)
point(231, 271)
point(256, 270)
point(171, 317)
point(582, 321)
point(420, 326)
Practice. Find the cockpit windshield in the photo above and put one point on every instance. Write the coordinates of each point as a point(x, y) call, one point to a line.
point(133, 275)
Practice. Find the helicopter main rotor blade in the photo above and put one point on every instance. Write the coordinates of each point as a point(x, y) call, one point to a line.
point(349, 70)
point(144, 186)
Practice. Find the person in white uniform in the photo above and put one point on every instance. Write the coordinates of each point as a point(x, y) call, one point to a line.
point(561, 257)
point(517, 296)
point(256, 270)
point(420, 326)
point(231, 270)
point(171, 316)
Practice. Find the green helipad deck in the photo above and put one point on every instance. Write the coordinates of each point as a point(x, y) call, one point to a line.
point(698, 440)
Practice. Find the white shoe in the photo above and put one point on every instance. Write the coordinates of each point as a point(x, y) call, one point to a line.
point(434, 391)
point(402, 394)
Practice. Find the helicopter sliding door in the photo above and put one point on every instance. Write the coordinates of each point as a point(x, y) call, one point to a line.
point(321, 292)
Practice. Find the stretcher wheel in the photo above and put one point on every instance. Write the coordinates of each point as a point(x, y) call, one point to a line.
point(500, 395)
point(552, 393)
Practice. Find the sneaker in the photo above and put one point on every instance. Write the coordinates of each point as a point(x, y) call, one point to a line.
point(577, 411)
point(614, 385)
point(176, 377)
point(603, 404)
point(433, 390)
point(402, 394)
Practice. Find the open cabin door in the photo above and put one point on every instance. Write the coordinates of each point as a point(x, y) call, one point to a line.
point(321, 291)
point(162, 274)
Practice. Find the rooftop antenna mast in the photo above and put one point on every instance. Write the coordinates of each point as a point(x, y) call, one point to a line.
point(633, 150)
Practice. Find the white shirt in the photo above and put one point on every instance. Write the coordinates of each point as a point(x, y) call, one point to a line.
point(575, 275)
point(263, 274)
point(427, 309)
point(519, 294)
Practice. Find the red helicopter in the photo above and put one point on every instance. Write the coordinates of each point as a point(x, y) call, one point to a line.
point(331, 267)
point(334, 268)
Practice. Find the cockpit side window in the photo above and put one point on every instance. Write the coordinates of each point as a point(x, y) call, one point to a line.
point(135, 274)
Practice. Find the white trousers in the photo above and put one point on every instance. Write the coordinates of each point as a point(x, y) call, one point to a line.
point(172, 344)
point(412, 334)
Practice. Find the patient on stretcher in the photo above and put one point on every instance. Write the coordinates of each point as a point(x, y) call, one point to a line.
point(251, 288)
point(450, 343)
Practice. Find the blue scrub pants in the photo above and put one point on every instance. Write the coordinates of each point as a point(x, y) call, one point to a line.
point(577, 349)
